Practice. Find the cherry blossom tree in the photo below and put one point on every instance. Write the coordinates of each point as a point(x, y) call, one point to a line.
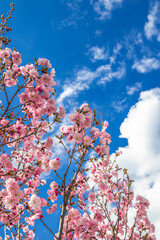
point(95, 194)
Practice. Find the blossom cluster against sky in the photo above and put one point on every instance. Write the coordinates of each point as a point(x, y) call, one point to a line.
point(106, 53)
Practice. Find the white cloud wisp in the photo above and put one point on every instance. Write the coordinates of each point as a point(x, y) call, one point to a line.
point(135, 88)
point(105, 7)
point(85, 77)
point(152, 27)
point(98, 53)
point(146, 65)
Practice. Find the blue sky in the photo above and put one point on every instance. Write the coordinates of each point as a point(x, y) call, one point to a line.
point(106, 53)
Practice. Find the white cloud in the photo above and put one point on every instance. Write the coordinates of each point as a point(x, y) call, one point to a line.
point(146, 64)
point(133, 43)
point(152, 27)
point(107, 74)
point(117, 48)
point(85, 77)
point(75, 14)
point(105, 7)
point(102, 74)
point(98, 33)
point(98, 53)
point(142, 154)
point(116, 52)
point(119, 105)
point(101, 53)
point(135, 88)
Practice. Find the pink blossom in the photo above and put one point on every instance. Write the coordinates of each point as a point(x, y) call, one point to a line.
point(105, 163)
point(16, 58)
point(4, 157)
point(103, 187)
point(5, 53)
point(98, 149)
point(66, 129)
point(52, 73)
point(91, 197)
point(52, 194)
point(7, 164)
point(35, 202)
point(9, 202)
point(30, 235)
point(77, 137)
point(86, 123)
point(73, 213)
point(49, 143)
point(53, 185)
point(54, 164)
point(51, 102)
point(3, 193)
point(80, 177)
point(62, 112)
point(87, 141)
point(143, 201)
point(10, 82)
point(85, 236)
point(46, 79)
point(25, 229)
point(102, 150)
point(8, 74)
point(23, 97)
point(69, 138)
point(105, 124)
point(85, 107)
point(43, 202)
point(77, 117)
point(96, 132)
point(23, 70)
point(33, 73)
point(93, 168)
point(99, 215)
point(45, 62)
point(52, 209)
